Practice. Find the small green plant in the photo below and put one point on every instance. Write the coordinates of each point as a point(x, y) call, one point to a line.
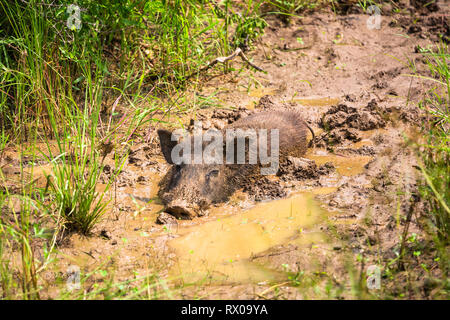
point(73, 187)
point(291, 7)
point(365, 4)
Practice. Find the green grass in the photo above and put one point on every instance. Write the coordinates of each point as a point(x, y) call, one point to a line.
point(422, 259)
point(291, 7)
point(435, 156)
point(84, 94)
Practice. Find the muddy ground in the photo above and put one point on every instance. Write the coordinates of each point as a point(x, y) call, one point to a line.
point(352, 85)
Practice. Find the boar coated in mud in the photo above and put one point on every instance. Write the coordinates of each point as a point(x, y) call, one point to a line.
point(189, 189)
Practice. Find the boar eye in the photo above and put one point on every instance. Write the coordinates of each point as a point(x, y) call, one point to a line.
point(213, 173)
point(177, 171)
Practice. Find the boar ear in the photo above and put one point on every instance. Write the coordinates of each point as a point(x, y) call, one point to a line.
point(166, 144)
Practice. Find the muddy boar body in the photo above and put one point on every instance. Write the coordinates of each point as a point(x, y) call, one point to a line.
point(189, 189)
point(292, 130)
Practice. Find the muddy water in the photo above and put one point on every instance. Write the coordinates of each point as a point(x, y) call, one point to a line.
point(259, 92)
point(305, 102)
point(316, 102)
point(345, 165)
point(219, 251)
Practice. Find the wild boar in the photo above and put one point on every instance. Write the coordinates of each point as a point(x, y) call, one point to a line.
point(188, 189)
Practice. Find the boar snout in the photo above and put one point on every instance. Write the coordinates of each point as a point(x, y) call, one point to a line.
point(182, 209)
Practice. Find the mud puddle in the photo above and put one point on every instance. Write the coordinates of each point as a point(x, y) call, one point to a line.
point(316, 102)
point(219, 251)
point(345, 165)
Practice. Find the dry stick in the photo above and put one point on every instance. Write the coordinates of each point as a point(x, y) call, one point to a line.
point(237, 52)
point(262, 294)
point(409, 92)
point(361, 273)
point(405, 231)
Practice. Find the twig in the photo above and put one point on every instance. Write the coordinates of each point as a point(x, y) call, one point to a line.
point(237, 52)
point(413, 202)
point(262, 294)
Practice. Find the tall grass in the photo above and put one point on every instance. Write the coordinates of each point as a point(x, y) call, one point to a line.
point(293, 6)
point(435, 158)
point(55, 86)
point(141, 46)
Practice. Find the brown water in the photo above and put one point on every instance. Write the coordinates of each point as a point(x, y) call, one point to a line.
point(307, 102)
point(219, 251)
point(345, 165)
point(260, 92)
point(316, 102)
